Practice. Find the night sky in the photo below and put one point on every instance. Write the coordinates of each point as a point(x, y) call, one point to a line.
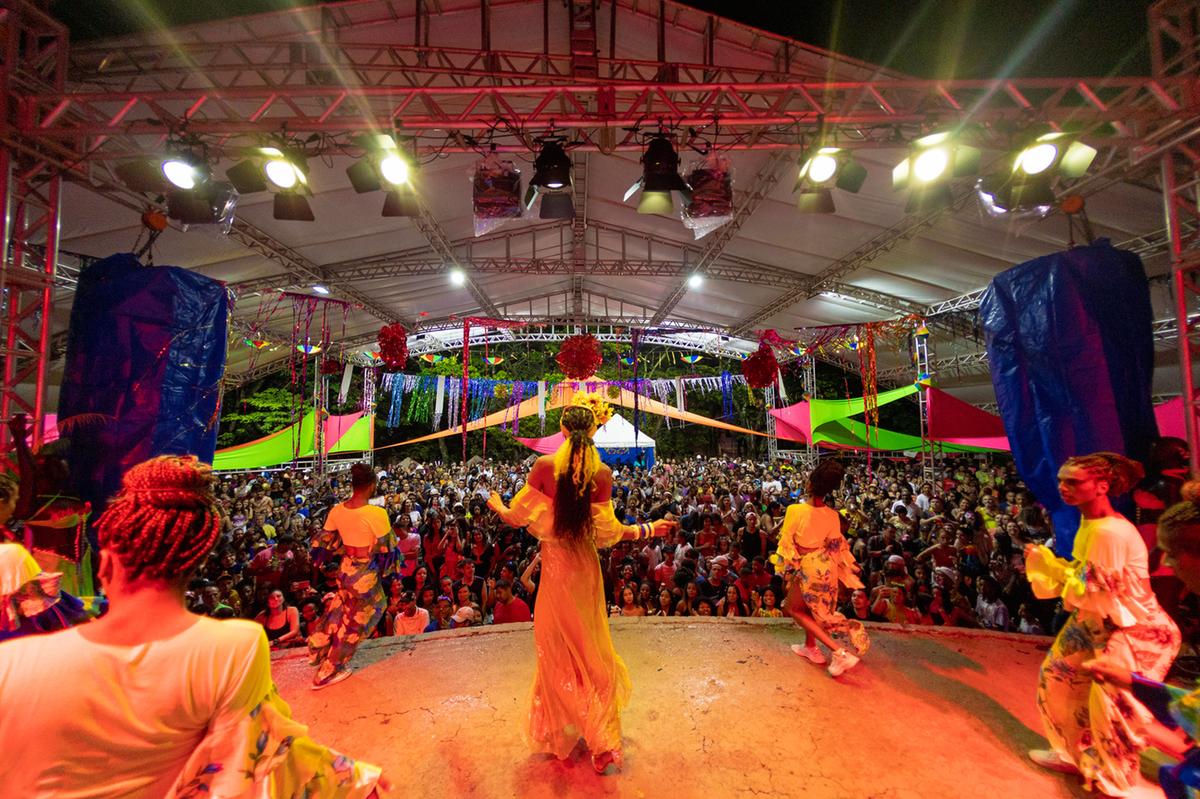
point(928, 38)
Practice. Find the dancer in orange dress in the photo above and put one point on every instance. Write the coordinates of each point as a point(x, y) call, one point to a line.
point(581, 684)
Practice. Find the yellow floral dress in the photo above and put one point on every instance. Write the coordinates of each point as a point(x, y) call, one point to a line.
point(812, 547)
point(581, 684)
point(1114, 616)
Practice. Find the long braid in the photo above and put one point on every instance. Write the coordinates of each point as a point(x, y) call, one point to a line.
point(164, 522)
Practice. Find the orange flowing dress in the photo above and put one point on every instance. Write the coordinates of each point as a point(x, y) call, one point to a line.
point(581, 684)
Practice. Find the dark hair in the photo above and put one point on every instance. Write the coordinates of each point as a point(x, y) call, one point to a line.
point(1119, 472)
point(505, 584)
point(361, 476)
point(826, 477)
point(1179, 526)
point(573, 502)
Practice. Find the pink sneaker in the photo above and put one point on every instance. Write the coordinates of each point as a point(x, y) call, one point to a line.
point(812, 653)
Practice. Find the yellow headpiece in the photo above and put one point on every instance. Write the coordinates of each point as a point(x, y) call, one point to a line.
point(601, 410)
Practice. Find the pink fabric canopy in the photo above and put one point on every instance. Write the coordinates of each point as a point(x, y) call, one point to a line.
point(546, 445)
point(1169, 416)
point(956, 422)
point(793, 422)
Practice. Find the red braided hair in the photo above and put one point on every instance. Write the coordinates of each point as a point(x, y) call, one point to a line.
point(164, 522)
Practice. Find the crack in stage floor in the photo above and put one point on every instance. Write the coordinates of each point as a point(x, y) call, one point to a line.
point(720, 708)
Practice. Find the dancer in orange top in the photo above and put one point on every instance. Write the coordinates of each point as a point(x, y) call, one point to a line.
point(581, 684)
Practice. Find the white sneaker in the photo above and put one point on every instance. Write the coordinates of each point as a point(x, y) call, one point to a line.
point(1050, 759)
point(812, 653)
point(843, 661)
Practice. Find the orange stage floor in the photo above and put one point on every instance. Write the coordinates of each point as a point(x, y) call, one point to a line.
point(720, 708)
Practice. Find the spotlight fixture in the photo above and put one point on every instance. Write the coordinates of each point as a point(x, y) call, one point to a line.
point(183, 170)
point(385, 167)
point(280, 170)
point(551, 181)
point(458, 277)
point(822, 170)
point(660, 176)
point(695, 281)
point(934, 161)
point(552, 167)
point(320, 289)
point(210, 203)
point(1025, 187)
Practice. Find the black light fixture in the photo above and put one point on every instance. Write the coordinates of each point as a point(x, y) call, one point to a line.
point(182, 178)
point(557, 205)
point(385, 166)
point(933, 163)
point(660, 177)
point(1024, 186)
point(210, 203)
point(823, 169)
point(282, 170)
point(552, 167)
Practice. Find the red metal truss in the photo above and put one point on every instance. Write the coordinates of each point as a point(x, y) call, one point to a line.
point(1125, 108)
point(33, 56)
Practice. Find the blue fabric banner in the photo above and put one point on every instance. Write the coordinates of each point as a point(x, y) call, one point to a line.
point(1071, 349)
point(145, 358)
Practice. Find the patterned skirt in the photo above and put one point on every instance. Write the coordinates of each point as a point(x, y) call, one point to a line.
point(356, 609)
point(817, 581)
point(1098, 727)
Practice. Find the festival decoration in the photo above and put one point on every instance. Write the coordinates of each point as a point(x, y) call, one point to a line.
point(393, 346)
point(600, 409)
point(692, 358)
point(330, 366)
point(579, 356)
point(627, 360)
point(502, 391)
point(760, 368)
point(710, 204)
point(495, 193)
point(429, 357)
point(308, 349)
point(257, 344)
point(493, 360)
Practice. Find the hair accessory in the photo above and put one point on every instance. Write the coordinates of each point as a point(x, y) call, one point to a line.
point(601, 410)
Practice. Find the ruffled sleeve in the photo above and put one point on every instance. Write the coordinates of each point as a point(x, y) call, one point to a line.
point(254, 749)
point(608, 530)
point(1184, 708)
point(1102, 583)
point(532, 510)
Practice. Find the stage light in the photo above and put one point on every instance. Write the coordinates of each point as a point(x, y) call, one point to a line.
point(1025, 189)
point(660, 177)
point(557, 205)
point(320, 289)
point(822, 170)
point(181, 173)
point(934, 161)
point(552, 167)
point(1036, 159)
point(394, 169)
point(210, 203)
point(401, 202)
point(282, 173)
point(695, 281)
point(458, 277)
point(292, 206)
point(382, 166)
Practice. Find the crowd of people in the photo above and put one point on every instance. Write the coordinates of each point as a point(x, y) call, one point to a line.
point(943, 552)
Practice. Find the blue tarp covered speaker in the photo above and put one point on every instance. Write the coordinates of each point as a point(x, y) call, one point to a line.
point(145, 358)
point(1071, 349)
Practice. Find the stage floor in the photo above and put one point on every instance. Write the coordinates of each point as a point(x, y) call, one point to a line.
point(720, 708)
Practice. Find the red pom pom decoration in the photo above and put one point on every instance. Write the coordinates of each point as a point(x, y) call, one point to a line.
point(393, 347)
point(329, 366)
point(760, 368)
point(579, 357)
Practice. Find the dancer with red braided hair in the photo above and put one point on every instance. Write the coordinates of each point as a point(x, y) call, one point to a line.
point(1097, 729)
point(151, 700)
point(581, 684)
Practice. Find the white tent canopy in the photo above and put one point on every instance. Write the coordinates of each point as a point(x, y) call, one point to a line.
point(618, 433)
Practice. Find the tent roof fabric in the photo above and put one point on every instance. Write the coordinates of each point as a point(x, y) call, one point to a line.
point(616, 433)
point(353, 432)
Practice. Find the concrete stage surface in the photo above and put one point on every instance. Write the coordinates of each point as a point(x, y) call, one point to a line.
point(720, 708)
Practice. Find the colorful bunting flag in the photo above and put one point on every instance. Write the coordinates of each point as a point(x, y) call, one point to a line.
point(692, 358)
point(429, 357)
point(493, 360)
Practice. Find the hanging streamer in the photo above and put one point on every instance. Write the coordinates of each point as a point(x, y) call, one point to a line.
point(541, 395)
point(347, 376)
point(439, 404)
point(679, 403)
point(782, 391)
point(726, 395)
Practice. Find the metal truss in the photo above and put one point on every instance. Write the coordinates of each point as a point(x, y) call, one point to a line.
point(1175, 50)
point(541, 330)
point(1128, 106)
point(760, 186)
point(33, 55)
point(433, 233)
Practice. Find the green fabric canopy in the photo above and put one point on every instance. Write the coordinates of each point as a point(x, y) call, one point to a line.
point(851, 433)
point(297, 441)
